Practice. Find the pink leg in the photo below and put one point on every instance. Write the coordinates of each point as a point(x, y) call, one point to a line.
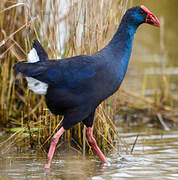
point(92, 140)
point(54, 142)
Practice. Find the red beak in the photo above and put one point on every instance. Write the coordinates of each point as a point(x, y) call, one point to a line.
point(151, 18)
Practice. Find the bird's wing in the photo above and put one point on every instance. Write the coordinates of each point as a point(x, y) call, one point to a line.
point(71, 72)
point(81, 70)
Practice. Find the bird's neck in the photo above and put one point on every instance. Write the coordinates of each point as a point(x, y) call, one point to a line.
point(121, 46)
point(121, 43)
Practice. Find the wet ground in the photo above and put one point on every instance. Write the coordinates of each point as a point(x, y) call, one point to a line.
point(155, 156)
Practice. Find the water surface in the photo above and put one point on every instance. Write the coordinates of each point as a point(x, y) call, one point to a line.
point(155, 156)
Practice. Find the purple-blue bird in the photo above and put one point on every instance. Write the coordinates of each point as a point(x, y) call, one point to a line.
point(75, 86)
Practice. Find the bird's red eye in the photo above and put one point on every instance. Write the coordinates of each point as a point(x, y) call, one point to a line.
point(142, 12)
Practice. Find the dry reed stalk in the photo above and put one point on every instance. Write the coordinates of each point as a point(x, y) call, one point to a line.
point(22, 22)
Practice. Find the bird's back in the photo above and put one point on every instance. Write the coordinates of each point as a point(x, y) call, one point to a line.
point(82, 81)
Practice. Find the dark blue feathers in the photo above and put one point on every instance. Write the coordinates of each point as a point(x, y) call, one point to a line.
point(70, 72)
point(77, 85)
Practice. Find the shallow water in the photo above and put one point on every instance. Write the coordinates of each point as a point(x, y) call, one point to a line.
point(155, 156)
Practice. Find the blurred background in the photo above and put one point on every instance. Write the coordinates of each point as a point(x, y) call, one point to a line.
point(154, 53)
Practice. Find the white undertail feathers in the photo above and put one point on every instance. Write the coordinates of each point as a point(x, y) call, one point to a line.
point(35, 85)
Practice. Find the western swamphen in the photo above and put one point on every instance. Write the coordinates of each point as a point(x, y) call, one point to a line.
point(75, 86)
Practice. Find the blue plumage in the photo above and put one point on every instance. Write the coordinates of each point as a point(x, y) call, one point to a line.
point(77, 85)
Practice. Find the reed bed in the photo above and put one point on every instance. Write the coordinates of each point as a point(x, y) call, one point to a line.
point(82, 27)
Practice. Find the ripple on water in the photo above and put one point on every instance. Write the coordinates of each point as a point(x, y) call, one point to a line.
point(154, 156)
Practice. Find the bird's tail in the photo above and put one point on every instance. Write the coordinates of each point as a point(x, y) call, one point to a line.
point(30, 69)
point(40, 51)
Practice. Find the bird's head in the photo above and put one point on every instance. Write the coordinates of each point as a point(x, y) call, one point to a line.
point(140, 14)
